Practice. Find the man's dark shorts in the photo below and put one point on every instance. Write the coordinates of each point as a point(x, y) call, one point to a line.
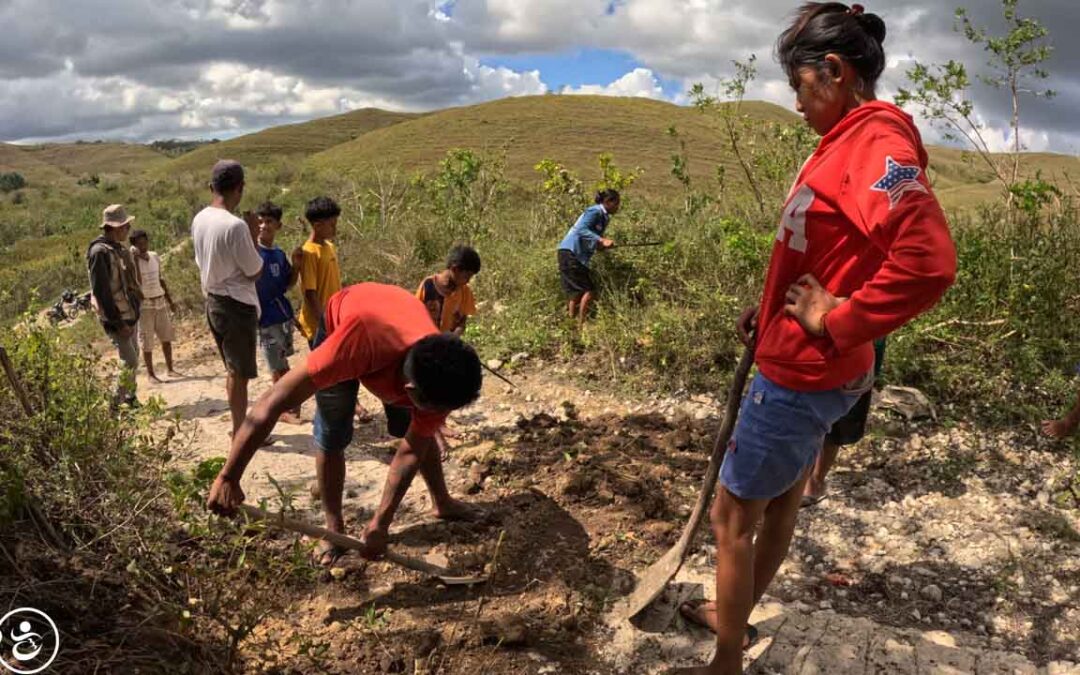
point(576, 278)
point(235, 326)
point(335, 408)
point(851, 428)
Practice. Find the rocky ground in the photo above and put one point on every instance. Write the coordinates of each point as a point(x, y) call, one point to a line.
point(941, 549)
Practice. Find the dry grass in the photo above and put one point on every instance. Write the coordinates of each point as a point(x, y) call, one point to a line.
point(289, 142)
point(83, 159)
point(573, 130)
point(36, 171)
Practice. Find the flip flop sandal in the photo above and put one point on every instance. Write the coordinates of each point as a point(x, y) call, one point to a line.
point(688, 611)
point(812, 500)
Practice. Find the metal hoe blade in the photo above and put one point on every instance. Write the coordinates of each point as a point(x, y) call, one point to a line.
point(655, 579)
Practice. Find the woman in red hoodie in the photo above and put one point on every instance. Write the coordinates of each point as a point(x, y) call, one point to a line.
point(863, 247)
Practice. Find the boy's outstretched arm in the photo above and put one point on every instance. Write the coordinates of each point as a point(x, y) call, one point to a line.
point(289, 392)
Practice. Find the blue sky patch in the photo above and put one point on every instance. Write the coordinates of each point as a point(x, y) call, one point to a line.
point(571, 68)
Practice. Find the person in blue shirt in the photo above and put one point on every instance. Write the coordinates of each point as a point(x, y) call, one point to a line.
point(277, 318)
point(576, 251)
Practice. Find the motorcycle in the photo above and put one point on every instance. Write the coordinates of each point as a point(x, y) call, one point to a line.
point(69, 306)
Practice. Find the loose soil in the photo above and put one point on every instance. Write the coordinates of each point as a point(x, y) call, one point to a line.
point(938, 551)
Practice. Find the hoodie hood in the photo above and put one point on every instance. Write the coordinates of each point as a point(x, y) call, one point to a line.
point(858, 117)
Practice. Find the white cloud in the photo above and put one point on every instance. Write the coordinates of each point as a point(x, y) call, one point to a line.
point(640, 82)
point(129, 68)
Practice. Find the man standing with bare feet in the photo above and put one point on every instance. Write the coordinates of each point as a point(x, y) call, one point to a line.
point(155, 316)
point(383, 338)
point(229, 265)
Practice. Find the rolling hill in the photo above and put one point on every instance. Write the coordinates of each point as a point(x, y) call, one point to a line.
point(82, 159)
point(37, 172)
point(289, 142)
point(573, 130)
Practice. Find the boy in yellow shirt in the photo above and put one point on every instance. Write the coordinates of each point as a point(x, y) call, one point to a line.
point(447, 295)
point(320, 276)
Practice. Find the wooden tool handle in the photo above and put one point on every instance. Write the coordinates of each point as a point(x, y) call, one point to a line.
point(342, 540)
point(731, 414)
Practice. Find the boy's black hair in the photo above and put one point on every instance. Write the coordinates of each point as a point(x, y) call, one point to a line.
point(321, 208)
point(445, 371)
point(607, 195)
point(823, 28)
point(270, 210)
point(137, 235)
point(464, 258)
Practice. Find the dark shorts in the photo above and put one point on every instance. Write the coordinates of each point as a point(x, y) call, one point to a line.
point(335, 408)
point(576, 278)
point(851, 428)
point(235, 326)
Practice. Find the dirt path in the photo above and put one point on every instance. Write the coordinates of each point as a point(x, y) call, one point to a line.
point(940, 551)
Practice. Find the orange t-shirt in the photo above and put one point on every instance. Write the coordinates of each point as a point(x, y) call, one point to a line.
point(369, 330)
point(451, 308)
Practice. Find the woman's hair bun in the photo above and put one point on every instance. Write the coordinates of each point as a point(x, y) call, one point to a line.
point(873, 25)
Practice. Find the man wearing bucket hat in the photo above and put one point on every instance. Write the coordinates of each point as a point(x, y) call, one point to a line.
point(229, 265)
point(115, 289)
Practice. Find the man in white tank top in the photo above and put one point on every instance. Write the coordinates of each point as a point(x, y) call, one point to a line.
point(155, 319)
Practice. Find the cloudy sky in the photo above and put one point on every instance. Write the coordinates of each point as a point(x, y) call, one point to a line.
point(147, 69)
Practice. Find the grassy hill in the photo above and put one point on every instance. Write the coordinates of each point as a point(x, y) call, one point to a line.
point(573, 130)
point(82, 159)
point(36, 171)
point(289, 142)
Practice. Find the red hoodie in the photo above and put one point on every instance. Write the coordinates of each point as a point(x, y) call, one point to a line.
point(862, 219)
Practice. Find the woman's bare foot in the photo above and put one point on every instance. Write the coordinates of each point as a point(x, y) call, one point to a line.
point(362, 414)
point(176, 374)
point(1062, 428)
point(457, 510)
point(154, 378)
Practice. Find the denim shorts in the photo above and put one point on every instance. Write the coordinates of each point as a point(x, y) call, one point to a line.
point(779, 435)
point(335, 408)
point(277, 345)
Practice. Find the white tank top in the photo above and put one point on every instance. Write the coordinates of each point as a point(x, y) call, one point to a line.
point(150, 276)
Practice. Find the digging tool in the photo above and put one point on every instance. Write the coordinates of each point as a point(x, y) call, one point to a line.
point(637, 244)
point(345, 541)
point(496, 374)
point(655, 578)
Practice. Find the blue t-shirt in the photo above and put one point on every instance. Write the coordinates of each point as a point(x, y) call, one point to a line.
point(586, 233)
point(272, 286)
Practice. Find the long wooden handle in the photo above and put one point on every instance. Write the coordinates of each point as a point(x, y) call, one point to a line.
point(731, 414)
point(16, 384)
point(355, 544)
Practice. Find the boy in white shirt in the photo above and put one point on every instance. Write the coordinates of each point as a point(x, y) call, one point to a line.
point(155, 319)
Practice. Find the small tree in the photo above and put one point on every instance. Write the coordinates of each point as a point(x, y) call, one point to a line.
point(614, 178)
point(736, 126)
point(11, 181)
point(562, 191)
point(1016, 58)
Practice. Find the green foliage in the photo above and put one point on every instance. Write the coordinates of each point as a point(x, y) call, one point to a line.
point(11, 181)
point(561, 190)
point(463, 194)
point(614, 178)
point(106, 527)
point(1016, 58)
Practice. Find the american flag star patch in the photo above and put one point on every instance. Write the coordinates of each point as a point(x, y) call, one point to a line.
point(898, 179)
